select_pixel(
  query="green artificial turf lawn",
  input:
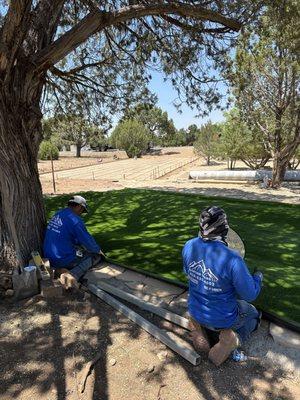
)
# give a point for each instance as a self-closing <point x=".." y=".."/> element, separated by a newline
<point x="147" y="229"/>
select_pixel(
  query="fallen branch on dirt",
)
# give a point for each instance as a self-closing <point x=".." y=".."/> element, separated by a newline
<point x="159" y="390"/>
<point x="87" y="370"/>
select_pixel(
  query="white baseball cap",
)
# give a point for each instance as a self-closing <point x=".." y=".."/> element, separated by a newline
<point x="79" y="200"/>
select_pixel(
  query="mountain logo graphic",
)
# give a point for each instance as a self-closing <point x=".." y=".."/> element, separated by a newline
<point x="200" y="267"/>
<point x="57" y="220"/>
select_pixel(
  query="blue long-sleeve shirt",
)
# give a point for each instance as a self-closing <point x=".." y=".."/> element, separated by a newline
<point x="218" y="276"/>
<point x="65" y="231"/>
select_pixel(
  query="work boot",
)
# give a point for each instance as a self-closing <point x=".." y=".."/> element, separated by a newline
<point x="228" y="341"/>
<point x="58" y="271"/>
<point x="199" y="337"/>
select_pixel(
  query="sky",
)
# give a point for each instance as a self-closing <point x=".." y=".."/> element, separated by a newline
<point x="166" y="95"/>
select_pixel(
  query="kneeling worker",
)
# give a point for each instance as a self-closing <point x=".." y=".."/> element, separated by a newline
<point x="220" y="289"/>
<point x="68" y="245"/>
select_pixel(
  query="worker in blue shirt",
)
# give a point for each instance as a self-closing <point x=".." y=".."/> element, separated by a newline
<point x="220" y="288"/>
<point x="68" y="245"/>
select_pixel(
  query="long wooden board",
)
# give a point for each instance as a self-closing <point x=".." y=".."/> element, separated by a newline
<point x="168" y="315"/>
<point x="188" y="354"/>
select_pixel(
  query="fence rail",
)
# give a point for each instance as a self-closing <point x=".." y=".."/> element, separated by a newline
<point x="157" y="172"/>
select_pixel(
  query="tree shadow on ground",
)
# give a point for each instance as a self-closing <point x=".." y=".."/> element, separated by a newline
<point x="41" y="349"/>
<point x="56" y="339"/>
<point x="147" y="229"/>
<point x="169" y="153"/>
<point x="240" y="381"/>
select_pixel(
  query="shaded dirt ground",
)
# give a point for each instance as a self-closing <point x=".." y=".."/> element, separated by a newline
<point x="45" y="345"/>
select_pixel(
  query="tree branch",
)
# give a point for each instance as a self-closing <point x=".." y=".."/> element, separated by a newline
<point x="47" y="14"/>
<point x="192" y="28"/>
<point x="13" y="30"/>
<point x="78" y="79"/>
<point x="58" y="72"/>
<point x="110" y="39"/>
<point x="96" y="21"/>
<point x="18" y="9"/>
<point x="182" y="25"/>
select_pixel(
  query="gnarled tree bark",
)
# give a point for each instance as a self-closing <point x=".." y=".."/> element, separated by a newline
<point x="22" y="216"/>
<point x="78" y="150"/>
<point x="281" y="161"/>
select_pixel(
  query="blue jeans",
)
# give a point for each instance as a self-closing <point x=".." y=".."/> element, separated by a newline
<point x="247" y="320"/>
<point x="81" y="265"/>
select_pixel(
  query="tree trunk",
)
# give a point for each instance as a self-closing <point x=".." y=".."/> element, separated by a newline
<point x="78" y="150"/>
<point x="22" y="216"/>
<point x="281" y="162"/>
<point x="279" y="167"/>
<point x="208" y="160"/>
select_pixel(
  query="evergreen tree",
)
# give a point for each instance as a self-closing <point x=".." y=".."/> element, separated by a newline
<point x="207" y="140"/>
<point x="132" y="136"/>
<point x="157" y="121"/>
<point x="266" y="78"/>
<point x="239" y="142"/>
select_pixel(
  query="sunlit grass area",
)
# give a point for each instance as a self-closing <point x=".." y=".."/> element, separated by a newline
<point x="147" y="229"/>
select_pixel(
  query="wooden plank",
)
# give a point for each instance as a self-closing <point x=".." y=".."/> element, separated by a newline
<point x="168" y="315"/>
<point x="188" y="354"/>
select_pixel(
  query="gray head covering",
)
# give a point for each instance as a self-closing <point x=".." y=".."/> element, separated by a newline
<point x="213" y="224"/>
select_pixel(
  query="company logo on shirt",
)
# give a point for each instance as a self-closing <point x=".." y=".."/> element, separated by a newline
<point x="55" y="224"/>
<point x="198" y="272"/>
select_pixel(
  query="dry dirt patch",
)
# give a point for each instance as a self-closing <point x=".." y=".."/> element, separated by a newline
<point x="45" y="346"/>
<point x="64" y="163"/>
<point x="79" y="185"/>
<point x="140" y="173"/>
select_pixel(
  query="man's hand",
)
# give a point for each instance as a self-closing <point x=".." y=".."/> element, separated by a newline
<point x="68" y="281"/>
<point x="259" y="274"/>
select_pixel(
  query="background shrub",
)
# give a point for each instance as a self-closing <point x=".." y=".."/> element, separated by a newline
<point x="46" y="149"/>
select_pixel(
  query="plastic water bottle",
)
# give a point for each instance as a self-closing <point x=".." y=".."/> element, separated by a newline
<point x="239" y="356"/>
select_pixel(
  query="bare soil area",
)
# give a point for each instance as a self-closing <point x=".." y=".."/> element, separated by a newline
<point x="64" y="163"/>
<point x="67" y="162"/>
<point x="168" y="171"/>
<point x="45" y="345"/>
<point x="79" y="185"/>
